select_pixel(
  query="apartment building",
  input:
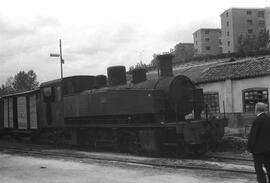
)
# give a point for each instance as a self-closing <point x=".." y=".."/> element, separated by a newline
<point x="267" y="20"/>
<point x="207" y="42"/>
<point x="237" y="21"/>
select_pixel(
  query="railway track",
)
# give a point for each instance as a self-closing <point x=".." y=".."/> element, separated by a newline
<point x="208" y="163"/>
<point x="220" y="157"/>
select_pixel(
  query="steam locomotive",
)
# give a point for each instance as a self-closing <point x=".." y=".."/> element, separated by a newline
<point x="96" y="112"/>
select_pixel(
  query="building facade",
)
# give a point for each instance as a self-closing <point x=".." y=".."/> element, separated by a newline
<point x="207" y="42"/>
<point x="267" y="21"/>
<point x="240" y="21"/>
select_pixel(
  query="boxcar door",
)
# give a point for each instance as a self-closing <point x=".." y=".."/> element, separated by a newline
<point x="33" y="111"/>
<point x="22" y="112"/>
<point x="6" y="113"/>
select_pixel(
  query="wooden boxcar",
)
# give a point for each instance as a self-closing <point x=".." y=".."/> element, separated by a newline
<point x="20" y="110"/>
<point x="1" y="115"/>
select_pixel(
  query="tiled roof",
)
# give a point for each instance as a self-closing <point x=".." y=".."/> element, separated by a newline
<point x="193" y="72"/>
<point x="222" y="70"/>
<point x="248" y="68"/>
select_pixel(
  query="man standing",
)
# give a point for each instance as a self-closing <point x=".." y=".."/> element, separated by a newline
<point x="259" y="142"/>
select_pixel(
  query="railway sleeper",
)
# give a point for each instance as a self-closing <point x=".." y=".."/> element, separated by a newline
<point x="104" y="143"/>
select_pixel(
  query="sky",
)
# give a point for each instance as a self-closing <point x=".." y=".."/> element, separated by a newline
<point x="99" y="34"/>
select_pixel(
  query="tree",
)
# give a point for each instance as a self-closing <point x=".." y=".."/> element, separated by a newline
<point x="138" y="65"/>
<point x="247" y="43"/>
<point x="183" y="51"/>
<point x="24" y="81"/>
<point x="154" y="61"/>
<point x="263" y="39"/>
<point x="7" y="88"/>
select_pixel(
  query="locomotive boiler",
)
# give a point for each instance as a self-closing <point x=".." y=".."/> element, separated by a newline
<point x="167" y="99"/>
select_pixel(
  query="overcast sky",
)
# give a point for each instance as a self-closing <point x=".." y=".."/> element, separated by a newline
<point x="98" y="34"/>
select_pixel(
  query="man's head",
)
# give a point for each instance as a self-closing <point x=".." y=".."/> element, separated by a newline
<point x="260" y="107"/>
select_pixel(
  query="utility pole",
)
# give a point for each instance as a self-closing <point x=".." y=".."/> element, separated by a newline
<point x="60" y="56"/>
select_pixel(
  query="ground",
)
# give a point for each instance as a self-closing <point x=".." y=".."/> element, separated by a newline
<point x="25" y="169"/>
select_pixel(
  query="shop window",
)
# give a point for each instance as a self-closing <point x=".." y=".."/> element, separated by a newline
<point x="211" y="99"/>
<point x="252" y="96"/>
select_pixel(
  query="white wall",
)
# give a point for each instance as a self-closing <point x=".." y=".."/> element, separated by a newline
<point x="239" y="85"/>
<point x="215" y="87"/>
<point x="230" y="91"/>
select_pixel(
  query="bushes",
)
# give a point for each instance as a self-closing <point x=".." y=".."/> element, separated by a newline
<point x="232" y="144"/>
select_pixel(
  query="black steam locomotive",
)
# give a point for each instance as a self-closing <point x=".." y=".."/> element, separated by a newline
<point x="93" y="111"/>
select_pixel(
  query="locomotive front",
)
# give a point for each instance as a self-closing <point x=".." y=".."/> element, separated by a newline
<point x="182" y="96"/>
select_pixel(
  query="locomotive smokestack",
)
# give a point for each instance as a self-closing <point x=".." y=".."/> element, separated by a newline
<point x="165" y="65"/>
<point x="138" y="75"/>
<point x="116" y="75"/>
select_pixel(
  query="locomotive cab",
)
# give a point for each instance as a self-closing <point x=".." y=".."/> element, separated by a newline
<point x="52" y="94"/>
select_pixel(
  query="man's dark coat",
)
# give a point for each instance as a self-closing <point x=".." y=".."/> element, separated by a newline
<point x="259" y="136"/>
